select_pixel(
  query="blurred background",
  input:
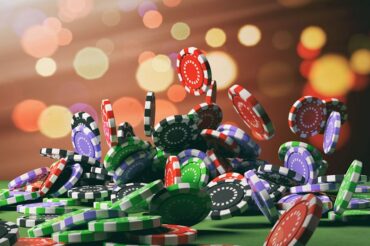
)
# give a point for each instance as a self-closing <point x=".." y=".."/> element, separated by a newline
<point x="61" y="57"/>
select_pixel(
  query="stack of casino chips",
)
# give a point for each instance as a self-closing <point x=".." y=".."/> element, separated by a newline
<point x="194" y="169"/>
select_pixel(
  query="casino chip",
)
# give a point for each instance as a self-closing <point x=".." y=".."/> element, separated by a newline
<point x="125" y="130"/>
<point x="211" y="94"/>
<point x="109" y="123"/>
<point x="339" y="178"/>
<point x="221" y="143"/>
<point x="301" y="161"/>
<point x="132" y="223"/>
<point x="79" y="236"/>
<point x="288" y="201"/>
<point x="189" y="153"/>
<point x="333" y="104"/>
<point x="280" y="175"/>
<point x="85" y="142"/>
<point x="172" y="171"/>
<point x="182" y="204"/>
<point x="358" y="203"/>
<point x="165" y="235"/>
<point x="28" y="241"/>
<point x="123" y="190"/>
<point x="28" y="221"/>
<point x="18" y="197"/>
<point x="55" y="153"/>
<point x="149" y="113"/>
<point x="9" y="233"/>
<point x="193" y="70"/>
<point x="29" y="177"/>
<point x="314" y="188"/>
<point x="210" y="115"/>
<point x="283" y="149"/>
<point x="56" y="170"/>
<point x="251" y="112"/>
<point x="89" y="192"/>
<point x="194" y="171"/>
<point x="83" y="118"/>
<point x="221" y="164"/>
<point x="356" y="215"/>
<point x="331" y="134"/>
<point x="227" y="176"/>
<point x="229" y="198"/>
<point x="66" y="200"/>
<point x="307" y="116"/>
<point x="347" y="187"/>
<point x="175" y="132"/>
<point x="77" y="171"/>
<point x="296" y="225"/>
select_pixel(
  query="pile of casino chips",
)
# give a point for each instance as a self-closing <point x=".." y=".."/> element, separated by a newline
<point x="195" y="168"/>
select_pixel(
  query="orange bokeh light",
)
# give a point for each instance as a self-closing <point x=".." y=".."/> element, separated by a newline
<point x="128" y="109"/>
<point x="53" y="24"/>
<point x="152" y="19"/>
<point x="176" y="93"/>
<point x="171" y="3"/>
<point x="345" y="132"/>
<point x="26" y="113"/>
<point x="164" y="108"/>
<point x="39" y="41"/>
<point x="70" y="10"/>
<point x="305" y="68"/>
<point x="360" y="82"/>
<point x="145" y="56"/>
<point x="306" y="53"/>
<point x="64" y="37"/>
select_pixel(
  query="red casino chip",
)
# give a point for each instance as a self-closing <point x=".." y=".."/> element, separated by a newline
<point x="35" y="186"/>
<point x="230" y="175"/>
<point x="296" y="225"/>
<point x="28" y="241"/>
<point x="109" y="123"/>
<point x="307" y="116"/>
<point x="55" y="171"/>
<point x="211" y="94"/>
<point x="221" y="164"/>
<point x="221" y="143"/>
<point x="210" y="115"/>
<point x="172" y="171"/>
<point x="251" y="112"/>
<point x="193" y="71"/>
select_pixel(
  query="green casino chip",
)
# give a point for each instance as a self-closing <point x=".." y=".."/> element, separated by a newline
<point x="132" y="223"/>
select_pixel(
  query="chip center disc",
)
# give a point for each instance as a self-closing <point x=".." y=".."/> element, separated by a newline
<point x="193" y="76"/>
<point x="246" y="113"/>
<point x="309" y="117"/>
<point x="176" y="133"/>
<point x="297" y="163"/>
<point x="83" y="144"/>
<point x="225" y="195"/>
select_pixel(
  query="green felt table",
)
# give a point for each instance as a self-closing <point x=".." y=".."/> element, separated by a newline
<point x="252" y="229"/>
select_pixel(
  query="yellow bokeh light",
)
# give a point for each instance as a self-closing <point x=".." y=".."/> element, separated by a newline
<point x="152" y="80"/>
<point x="105" y="45"/>
<point x="161" y="63"/>
<point x="331" y="75"/>
<point x="224" y="68"/>
<point x="111" y="17"/>
<point x="249" y="35"/>
<point x="360" y="61"/>
<point x="313" y="37"/>
<point x="54" y="121"/>
<point x="215" y="37"/>
<point x="91" y="63"/>
<point x="180" y="31"/>
<point x="45" y="66"/>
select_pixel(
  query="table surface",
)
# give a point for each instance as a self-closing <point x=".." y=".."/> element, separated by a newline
<point x="253" y="229"/>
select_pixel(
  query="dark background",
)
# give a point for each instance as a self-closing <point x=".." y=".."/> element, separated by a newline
<point x="345" y="23"/>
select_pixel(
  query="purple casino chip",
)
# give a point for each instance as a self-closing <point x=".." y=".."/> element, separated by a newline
<point x="241" y="165"/>
<point x="362" y="189"/>
<point x="77" y="171"/>
<point x="249" y="148"/>
<point x="190" y="153"/>
<point x="301" y="161"/>
<point x="21" y="208"/>
<point x="261" y="196"/>
<point x="324" y="187"/>
<point x="331" y="134"/>
<point x="85" y="142"/>
<point x="29" y="177"/>
<point x="358" y="203"/>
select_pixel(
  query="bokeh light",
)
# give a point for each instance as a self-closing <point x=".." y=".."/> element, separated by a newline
<point x="145" y="6"/>
<point x="91" y="63"/>
<point x="151" y="80"/>
<point x="282" y="40"/>
<point x="224" y="68"/>
<point x="360" y="82"/>
<point x="65" y="37"/>
<point x="360" y="61"/>
<point x="54" y="121"/>
<point x="176" y="93"/>
<point x="309" y="91"/>
<point x="39" y="41"/>
<point x="249" y="35"/>
<point x="84" y="107"/>
<point x="70" y="10"/>
<point x="111" y="17"/>
<point x="26" y="18"/>
<point x="46" y="66"/>
<point x="305" y="68"/>
<point x="106" y="45"/>
<point x="128" y="109"/>
<point x="145" y="55"/>
<point x="171" y="3"/>
<point x="53" y="24"/>
<point x="128" y="5"/>
<point x="180" y="31"/>
<point x="161" y="63"/>
<point x="313" y="37"/>
<point x="152" y="19"/>
<point x="26" y="113"/>
<point x="215" y="37"/>
<point x="306" y="53"/>
<point x="331" y="75"/>
<point x="276" y="79"/>
<point x="164" y="108"/>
